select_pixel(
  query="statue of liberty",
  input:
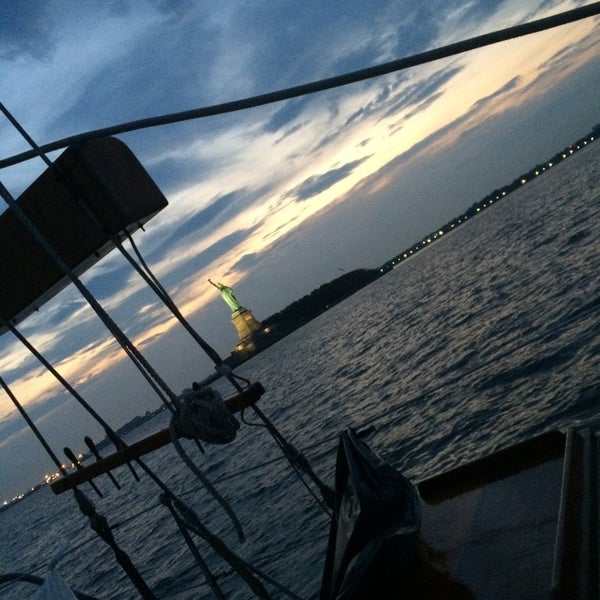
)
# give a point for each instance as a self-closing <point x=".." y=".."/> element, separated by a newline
<point x="227" y="295"/>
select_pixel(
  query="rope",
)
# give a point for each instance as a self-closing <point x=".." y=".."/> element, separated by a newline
<point x="110" y="433"/>
<point x="100" y="525"/>
<point x="298" y="462"/>
<point x="153" y="282"/>
<point x="193" y="523"/>
<point x="33" y="427"/>
<point x="204" y="415"/>
<point x="209" y="577"/>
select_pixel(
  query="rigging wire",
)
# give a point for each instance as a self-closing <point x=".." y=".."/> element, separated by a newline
<point x="428" y="56"/>
<point x="143" y="365"/>
<point x="299" y="464"/>
<point x="33" y="427"/>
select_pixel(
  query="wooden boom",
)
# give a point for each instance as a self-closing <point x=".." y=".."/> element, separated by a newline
<point x="161" y="438"/>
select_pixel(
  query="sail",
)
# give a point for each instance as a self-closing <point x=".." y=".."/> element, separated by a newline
<point x="95" y="192"/>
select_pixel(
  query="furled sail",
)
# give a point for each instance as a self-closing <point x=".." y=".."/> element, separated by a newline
<point x="95" y="193"/>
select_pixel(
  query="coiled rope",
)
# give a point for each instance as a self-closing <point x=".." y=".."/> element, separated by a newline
<point x="203" y="415"/>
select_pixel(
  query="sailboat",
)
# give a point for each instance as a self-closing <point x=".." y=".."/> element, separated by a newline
<point x="385" y="531"/>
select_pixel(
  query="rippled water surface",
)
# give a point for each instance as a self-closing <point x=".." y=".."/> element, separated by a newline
<point x="485" y="338"/>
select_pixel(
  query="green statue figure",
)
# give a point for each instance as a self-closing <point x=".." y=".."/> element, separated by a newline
<point x="227" y="295"/>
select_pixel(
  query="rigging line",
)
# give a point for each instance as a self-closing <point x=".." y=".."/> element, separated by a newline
<point x="111" y="434"/>
<point x="81" y="200"/>
<point x="35" y="352"/>
<point x="428" y="56"/>
<point x="210" y="488"/>
<point x="109" y="323"/>
<point x="209" y="577"/>
<point x="33" y="427"/>
<point x="296" y="459"/>
<point x="152" y="281"/>
<point x="194" y="524"/>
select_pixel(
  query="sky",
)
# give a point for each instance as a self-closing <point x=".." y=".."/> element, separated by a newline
<point x="273" y="201"/>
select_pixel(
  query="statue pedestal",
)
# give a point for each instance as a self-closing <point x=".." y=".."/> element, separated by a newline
<point x="245" y="323"/>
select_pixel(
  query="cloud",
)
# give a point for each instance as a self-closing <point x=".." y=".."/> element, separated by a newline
<point x="203" y="259"/>
<point x="507" y="87"/>
<point x="290" y="111"/>
<point x="24" y="30"/>
<point x="420" y="92"/>
<point x="194" y="224"/>
<point x="248" y="261"/>
<point x="315" y="185"/>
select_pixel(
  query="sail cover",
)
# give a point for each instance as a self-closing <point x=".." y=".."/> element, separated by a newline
<point x="95" y="192"/>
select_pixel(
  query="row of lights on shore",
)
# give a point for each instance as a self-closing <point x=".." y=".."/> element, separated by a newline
<point x="48" y="478"/>
<point x="430" y="239"/>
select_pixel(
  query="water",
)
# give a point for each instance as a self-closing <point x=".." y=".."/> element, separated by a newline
<point x="485" y="338"/>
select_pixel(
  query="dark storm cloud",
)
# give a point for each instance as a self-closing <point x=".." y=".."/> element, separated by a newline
<point x="319" y="183"/>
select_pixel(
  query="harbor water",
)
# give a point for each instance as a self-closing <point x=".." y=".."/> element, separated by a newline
<point x="485" y="338"/>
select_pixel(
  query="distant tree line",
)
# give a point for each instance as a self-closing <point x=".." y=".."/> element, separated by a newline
<point x="319" y="300"/>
